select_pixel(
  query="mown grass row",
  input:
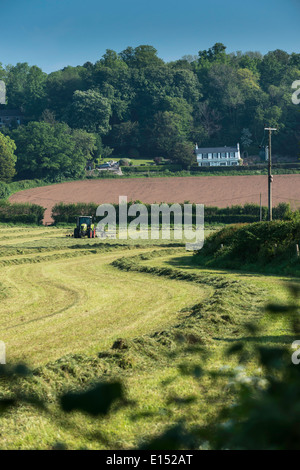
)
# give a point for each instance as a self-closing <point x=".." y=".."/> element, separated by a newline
<point x="226" y="289"/>
<point x="21" y="254"/>
<point x="158" y="368"/>
<point x="73" y="252"/>
<point x="198" y="329"/>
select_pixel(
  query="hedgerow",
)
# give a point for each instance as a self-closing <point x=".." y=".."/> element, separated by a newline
<point x="21" y="213"/>
<point x="66" y="213"/>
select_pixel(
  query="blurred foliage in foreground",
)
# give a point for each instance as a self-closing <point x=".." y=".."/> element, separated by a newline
<point x="265" y="413"/>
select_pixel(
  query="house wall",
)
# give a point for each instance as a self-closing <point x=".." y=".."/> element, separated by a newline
<point x="226" y="158"/>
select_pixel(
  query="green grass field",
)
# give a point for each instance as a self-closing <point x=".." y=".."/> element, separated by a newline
<point x="64" y="302"/>
<point x="135" y="161"/>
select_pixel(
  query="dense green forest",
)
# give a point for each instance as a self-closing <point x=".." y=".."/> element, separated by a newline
<point x="134" y="104"/>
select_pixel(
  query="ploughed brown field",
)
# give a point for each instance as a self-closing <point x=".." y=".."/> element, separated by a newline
<point x="221" y="191"/>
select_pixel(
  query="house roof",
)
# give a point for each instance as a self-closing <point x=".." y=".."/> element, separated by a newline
<point x="216" y="149"/>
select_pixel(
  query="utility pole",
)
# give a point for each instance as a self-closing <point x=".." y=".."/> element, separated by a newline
<point x="270" y="176"/>
<point x="260" y="209"/>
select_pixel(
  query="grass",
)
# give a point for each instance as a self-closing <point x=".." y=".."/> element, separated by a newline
<point x="63" y="313"/>
<point x="52" y="301"/>
<point x="171" y="174"/>
<point x="265" y="247"/>
<point x="137" y="161"/>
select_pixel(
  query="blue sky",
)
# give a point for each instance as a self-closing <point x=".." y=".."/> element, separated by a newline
<point x="55" y="33"/>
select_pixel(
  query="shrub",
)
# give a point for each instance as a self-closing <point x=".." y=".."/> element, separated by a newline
<point x="4" y="190"/>
<point x="21" y="213"/>
<point x="66" y="213"/>
<point x="262" y="245"/>
<point x="124" y="162"/>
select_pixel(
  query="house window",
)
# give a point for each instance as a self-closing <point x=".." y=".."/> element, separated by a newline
<point x="200" y="155"/>
<point x="223" y="155"/>
<point x="209" y="155"/>
<point x="231" y="154"/>
<point x="215" y="155"/>
<point x="205" y="155"/>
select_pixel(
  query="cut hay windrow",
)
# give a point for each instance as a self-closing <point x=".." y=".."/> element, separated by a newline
<point x="143" y="314"/>
<point x="82" y="251"/>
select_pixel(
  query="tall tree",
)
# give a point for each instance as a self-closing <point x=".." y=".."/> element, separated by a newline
<point x="35" y="92"/>
<point x="214" y="54"/>
<point x="7" y="158"/>
<point x="272" y="68"/>
<point x="90" y="111"/>
<point x="61" y="86"/>
<point x="183" y="153"/>
<point x="112" y="60"/>
<point x="16" y="83"/>
<point x="141" y="56"/>
<point x="166" y="130"/>
<point x="51" y="150"/>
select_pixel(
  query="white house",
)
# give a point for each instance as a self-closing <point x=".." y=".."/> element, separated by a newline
<point x="218" y="156"/>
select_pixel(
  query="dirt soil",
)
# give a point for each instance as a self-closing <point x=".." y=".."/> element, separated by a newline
<point x="221" y="191"/>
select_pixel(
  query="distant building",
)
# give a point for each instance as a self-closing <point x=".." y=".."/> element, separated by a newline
<point x="218" y="156"/>
<point x="8" y="116"/>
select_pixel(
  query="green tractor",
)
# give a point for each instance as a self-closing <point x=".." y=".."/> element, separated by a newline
<point x="85" y="227"/>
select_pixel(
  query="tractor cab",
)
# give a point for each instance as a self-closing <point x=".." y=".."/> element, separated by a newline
<point x="84" y="227"/>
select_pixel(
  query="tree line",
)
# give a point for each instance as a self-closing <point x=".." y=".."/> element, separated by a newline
<point x="133" y="103"/>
